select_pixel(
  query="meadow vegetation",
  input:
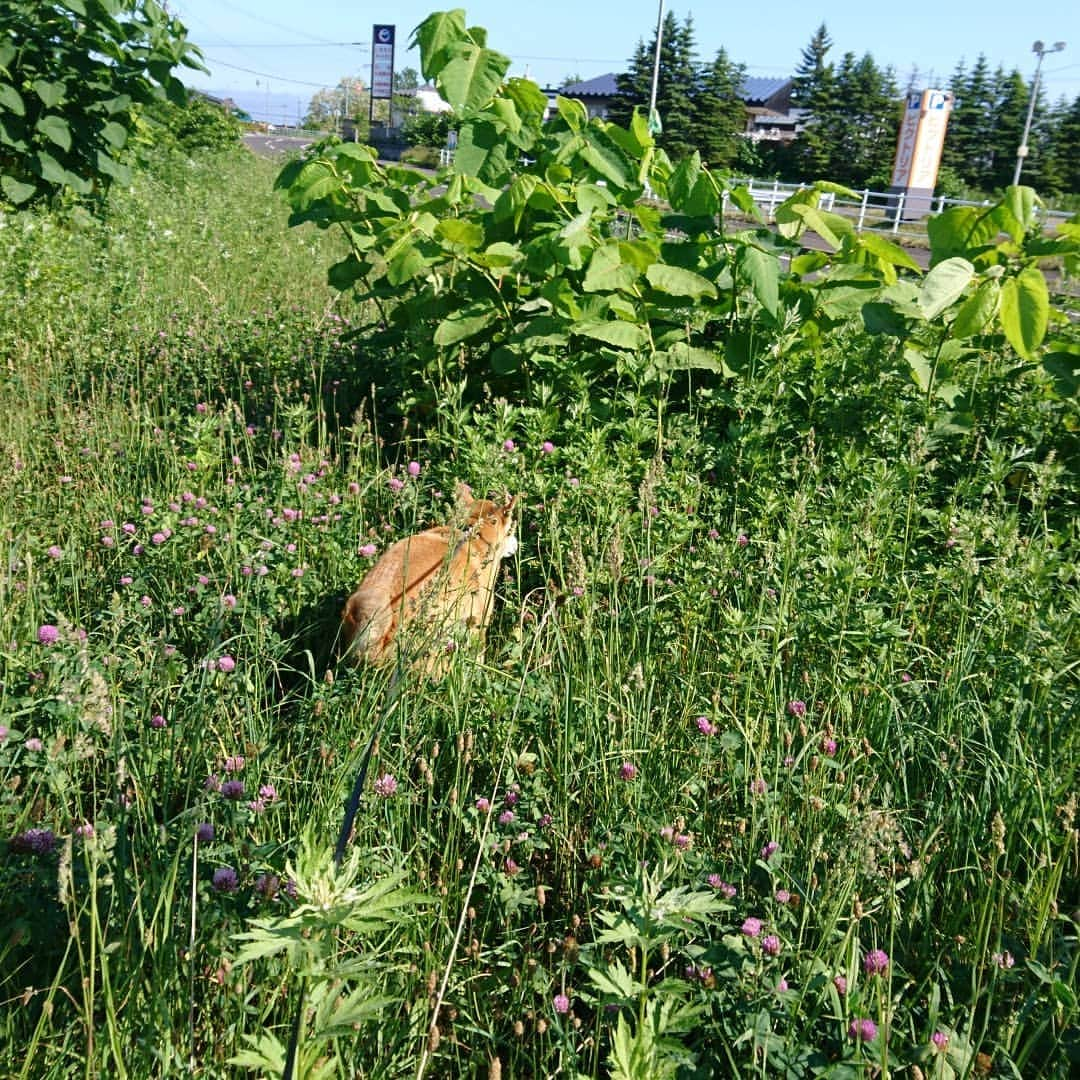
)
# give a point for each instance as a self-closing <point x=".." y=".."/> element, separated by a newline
<point x="770" y="764"/>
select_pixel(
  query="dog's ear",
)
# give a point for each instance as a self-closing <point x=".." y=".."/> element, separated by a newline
<point x="462" y="493"/>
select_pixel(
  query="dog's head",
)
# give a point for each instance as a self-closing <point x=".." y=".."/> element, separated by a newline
<point x="493" y="522"/>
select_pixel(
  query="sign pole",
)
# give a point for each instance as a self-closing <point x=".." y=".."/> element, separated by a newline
<point x="382" y="67"/>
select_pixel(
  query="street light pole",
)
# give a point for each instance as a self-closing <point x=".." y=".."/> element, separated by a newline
<point x="1040" y="50"/>
<point x="656" y="63"/>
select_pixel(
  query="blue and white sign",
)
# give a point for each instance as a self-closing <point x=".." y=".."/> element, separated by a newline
<point x="382" y="62"/>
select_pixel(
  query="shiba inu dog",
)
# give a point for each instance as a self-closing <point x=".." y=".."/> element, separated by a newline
<point x="439" y="583"/>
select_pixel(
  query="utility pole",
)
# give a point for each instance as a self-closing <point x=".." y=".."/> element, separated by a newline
<point x="654" y="121"/>
<point x="1040" y="50"/>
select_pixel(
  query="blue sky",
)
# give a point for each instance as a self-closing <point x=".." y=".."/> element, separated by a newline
<point x="289" y="49"/>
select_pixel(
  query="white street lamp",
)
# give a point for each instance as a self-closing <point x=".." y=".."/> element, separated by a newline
<point x="1040" y="50"/>
<point x="654" y="125"/>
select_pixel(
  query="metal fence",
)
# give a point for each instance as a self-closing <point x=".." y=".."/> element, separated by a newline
<point x="880" y="210"/>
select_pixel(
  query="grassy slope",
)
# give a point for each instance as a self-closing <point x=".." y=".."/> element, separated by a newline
<point x="876" y="621"/>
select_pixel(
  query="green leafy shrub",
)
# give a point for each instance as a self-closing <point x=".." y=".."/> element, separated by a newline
<point x="73" y="76"/>
<point x="197" y="124"/>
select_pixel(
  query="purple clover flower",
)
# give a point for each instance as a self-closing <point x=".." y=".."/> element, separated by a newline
<point x="232" y="789"/>
<point x="225" y="879"/>
<point x="876" y="962"/>
<point x="862" y="1029"/>
<point x="34" y="842"/>
<point x="386" y="786"/>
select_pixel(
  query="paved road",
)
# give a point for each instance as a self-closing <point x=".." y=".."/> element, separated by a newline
<point x="273" y="146"/>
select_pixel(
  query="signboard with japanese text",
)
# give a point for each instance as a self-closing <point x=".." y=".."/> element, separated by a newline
<point x="382" y="62"/>
<point x="922" y="136"/>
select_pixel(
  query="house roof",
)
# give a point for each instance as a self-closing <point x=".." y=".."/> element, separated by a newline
<point x="761" y="88"/>
<point x="754" y="88"/>
<point x="601" y="86"/>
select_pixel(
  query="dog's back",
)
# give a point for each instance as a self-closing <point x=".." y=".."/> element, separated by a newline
<point x="443" y="577"/>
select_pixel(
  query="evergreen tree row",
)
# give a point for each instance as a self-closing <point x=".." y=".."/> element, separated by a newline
<point x="699" y="104"/>
<point x="852" y="113"/>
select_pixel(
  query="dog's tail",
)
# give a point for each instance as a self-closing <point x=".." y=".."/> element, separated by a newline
<point x="367" y="625"/>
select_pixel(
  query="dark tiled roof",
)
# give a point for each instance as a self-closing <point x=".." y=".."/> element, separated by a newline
<point x="601" y="86"/>
<point x="754" y="88"/>
<point x="758" y="88"/>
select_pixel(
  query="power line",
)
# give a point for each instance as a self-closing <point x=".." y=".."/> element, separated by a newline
<point x="270" y="22"/>
<point x="362" y="45"/>
<point x="265" y="74"/>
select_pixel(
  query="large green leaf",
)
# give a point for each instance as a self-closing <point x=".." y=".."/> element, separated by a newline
<point x="573" y="112"/>
<point x="1021" y="202"/>
<point x="888" y="251"/>
<point x="464" y="324"/>
<point x="762" y="271"/>
<point x="405" y="264"/>
<point x="607" y="272"/>
<point x="56" y="130"/>
<point x="684" y="176"/>
<point x="11" y="100"/>
<point x="622" y="335"/>
<point x="944" y="285"/>
<point x="675" y="281"/>
<point x="1062" y="364"/>
<point x="50" y="93"/>
<point x="459" y="234"/>
<point x="471" y="76"/>
<point x="435" y="35"/>
<point x="603" y="155"/>
<point x="108" y="166"/>
<point x="16" y="190"/>
<point x="830" y="227"/>
<point x="116" y="135"/>
<point x="49" y="169"/>
<point x="977" y="312"/>
<point x="682" y="356"/>
<point x="1025" y="310"/>
<point x="481" y="152"/>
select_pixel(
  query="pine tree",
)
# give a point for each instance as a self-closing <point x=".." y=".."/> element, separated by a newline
<point x="865" y="129"/>
<point x="969" y="135"/>
<point x="676" y="86"/>
<point x="719" y="112"/>
<point x="632" y="86"/>
<point x="1061" y="170"/>
<point x="1012" y="96"/>
<point x="813" y="89"/>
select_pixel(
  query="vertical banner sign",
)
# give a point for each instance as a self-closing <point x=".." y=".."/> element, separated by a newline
<point x="382" y="65"/>
<point x="918" y="149"/>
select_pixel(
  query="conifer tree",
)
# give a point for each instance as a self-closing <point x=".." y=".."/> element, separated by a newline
<point x="719" y="112"/>
<point x="814" y="89"/>
<point x="676" y="85"/>
<point x="1061" y="169"/>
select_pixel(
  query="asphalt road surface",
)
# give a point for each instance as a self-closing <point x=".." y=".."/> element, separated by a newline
<point x="271" y="145"/>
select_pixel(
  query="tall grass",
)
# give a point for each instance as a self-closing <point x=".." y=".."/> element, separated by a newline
<point x="799" y="654"/>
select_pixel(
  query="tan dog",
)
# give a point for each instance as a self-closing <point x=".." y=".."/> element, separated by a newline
<point x="441" y="580"/>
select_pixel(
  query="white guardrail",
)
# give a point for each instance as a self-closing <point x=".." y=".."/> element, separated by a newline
<point x="869" y="209"/>
<point x="873" y="209"/>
